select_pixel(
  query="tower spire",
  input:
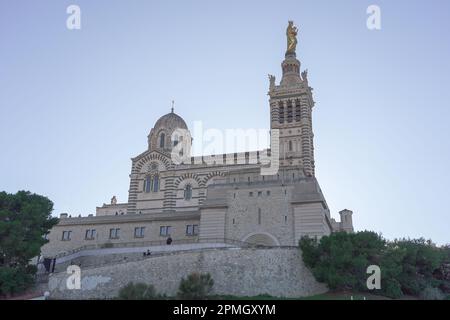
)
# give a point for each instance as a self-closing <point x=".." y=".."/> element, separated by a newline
<point x="291" y="105"/>
<point x="290" y="65"/>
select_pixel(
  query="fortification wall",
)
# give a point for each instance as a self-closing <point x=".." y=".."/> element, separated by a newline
<point x="242" y="272"/>
<point x="99" y="257"/>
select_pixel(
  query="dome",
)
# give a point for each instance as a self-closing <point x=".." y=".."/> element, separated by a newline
<point x="160" y="135"/>
<point x="170" y="121"/>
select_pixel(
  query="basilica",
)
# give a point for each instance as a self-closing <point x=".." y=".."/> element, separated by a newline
<point x="229" y="201"/>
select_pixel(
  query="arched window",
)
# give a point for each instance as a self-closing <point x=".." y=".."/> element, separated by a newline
<point x="281" y="111"/>
<point x="188" y="192"/>
<point x="155" y="184"/>
<point x="290" y="145"/>
<point x="147" y="184"/>
<point x="151" y="184"/>
<point x="162" y="139"/>
<point x="175" y="140"/>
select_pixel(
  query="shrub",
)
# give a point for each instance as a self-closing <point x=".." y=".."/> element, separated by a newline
<point x="391" y="289"/>
<point x="195" y="287"/>
<point x="408" y="266"/>
<point x="341" y="259"/>
<point x="420" y="260"/>
<point x="431" y="293"/>
<point x="138" y="291"/>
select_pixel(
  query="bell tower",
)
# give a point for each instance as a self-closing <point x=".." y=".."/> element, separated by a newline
<point x="291" y="106"/>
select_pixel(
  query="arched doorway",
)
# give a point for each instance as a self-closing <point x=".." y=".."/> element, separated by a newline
<point x="261" y="239"/>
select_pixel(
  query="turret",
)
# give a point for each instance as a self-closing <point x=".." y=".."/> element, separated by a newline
<point x="346" y="220"/>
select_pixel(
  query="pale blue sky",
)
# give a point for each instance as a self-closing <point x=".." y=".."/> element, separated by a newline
<point x="75" y="106"/>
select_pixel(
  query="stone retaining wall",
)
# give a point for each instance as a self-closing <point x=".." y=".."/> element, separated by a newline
<point x="242" y="272"/>
<point x="99" y="257"/>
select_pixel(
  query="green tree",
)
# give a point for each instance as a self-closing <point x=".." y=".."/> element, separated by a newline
<point x="24" y="220"/>
<point x="341" y="259"/>
<point x="408" y="266"/>
<point x="391" y="266"/>
<point x="420" y="259"/>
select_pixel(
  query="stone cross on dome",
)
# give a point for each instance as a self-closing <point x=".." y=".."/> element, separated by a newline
<point x="173" y="102"/>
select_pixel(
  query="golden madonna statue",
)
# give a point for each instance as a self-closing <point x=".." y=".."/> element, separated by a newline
<point x="291" y="34"/>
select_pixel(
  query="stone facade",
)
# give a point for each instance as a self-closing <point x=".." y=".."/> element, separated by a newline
<point x="127" y="226"/>
<point x="279" y="272"/>
<point x="226" y="199"/>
